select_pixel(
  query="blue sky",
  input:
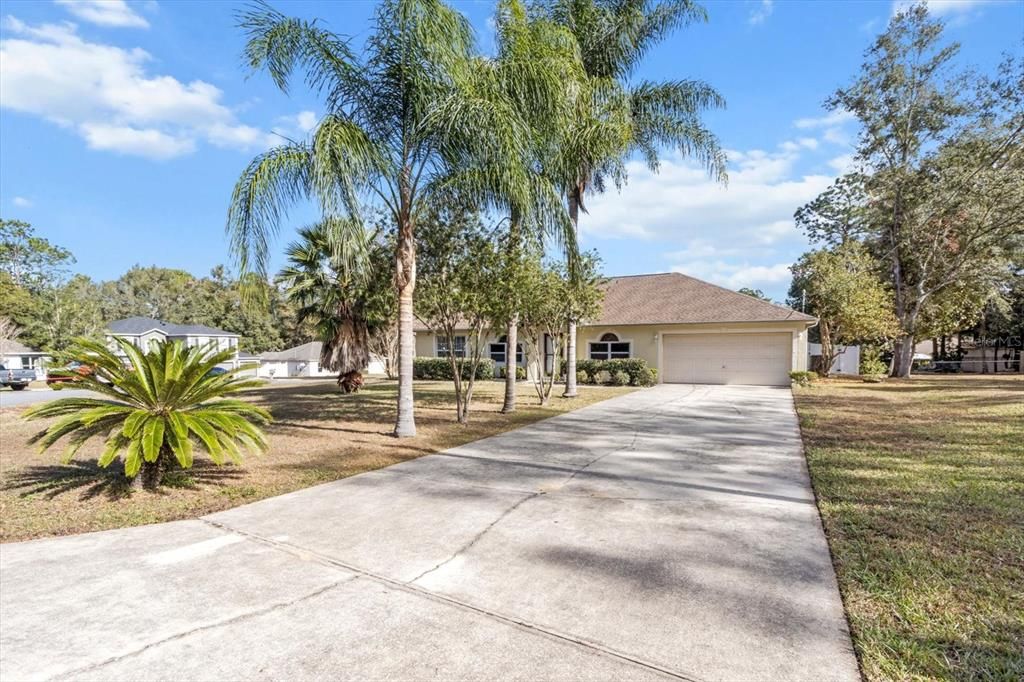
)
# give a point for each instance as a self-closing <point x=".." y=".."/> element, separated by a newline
<point x="124" y="125"/>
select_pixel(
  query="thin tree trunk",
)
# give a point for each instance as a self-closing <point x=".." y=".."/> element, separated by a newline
<point x="456" y="366"/>
<point x="828" y="352"/>
<point x="984" y="343"/>
<point x="405" y="281"/>
<point x="570" y="354"/>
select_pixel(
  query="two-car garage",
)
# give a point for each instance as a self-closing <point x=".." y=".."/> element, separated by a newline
<point x="730" y="358"/>
<point x="695" y="332"/>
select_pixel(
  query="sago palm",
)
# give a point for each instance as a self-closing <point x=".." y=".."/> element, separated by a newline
<point x="398" y="119"/>
<point x="624" y="117"/>
<point x="159" y="406"/>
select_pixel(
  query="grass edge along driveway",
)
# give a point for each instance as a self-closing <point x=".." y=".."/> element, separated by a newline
<point x="319" y="435"/>
<point x="920" y="485"/>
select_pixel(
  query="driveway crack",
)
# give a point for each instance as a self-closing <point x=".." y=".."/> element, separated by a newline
<point x="209" y="626"/>
<point x="476" y="538"/>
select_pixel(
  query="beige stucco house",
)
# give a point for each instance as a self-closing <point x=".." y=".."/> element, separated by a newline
<point x="691" y="331"/>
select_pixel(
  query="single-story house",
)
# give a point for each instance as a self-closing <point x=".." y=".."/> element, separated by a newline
<point x="142" y="330"/>
<point x="303" y="361"/>
<point x="691" y="331"/>
<point x="16" y="355"/>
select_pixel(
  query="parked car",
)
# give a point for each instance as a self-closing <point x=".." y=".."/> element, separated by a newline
<point x="17" y="379"/>
<point x="56" y="378"/>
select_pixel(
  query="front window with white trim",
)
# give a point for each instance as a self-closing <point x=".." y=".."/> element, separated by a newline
<point x="460" y="346"/>
<point x="498" y="351"/>
<point x="609" y="347"/>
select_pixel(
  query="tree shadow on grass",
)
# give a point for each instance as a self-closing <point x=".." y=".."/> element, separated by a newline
<point x="91" y="480"/>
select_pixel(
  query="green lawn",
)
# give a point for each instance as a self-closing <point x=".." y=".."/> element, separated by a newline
<point x="921" y="488"/>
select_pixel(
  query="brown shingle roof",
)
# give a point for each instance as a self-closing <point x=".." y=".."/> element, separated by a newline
<point x="674" y="298"/>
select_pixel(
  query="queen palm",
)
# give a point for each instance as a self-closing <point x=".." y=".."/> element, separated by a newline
<point x="338" y="289"/>
<point x="537" y="72"/>
<point x="154" y="409"/>
<point x="397" y="119"/>
<point x="624" y="117"/>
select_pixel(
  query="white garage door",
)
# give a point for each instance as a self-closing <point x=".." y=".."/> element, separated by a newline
<point x="758" y="359"/>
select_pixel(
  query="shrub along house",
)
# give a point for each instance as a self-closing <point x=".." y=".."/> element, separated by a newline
<point x="689" y="330"/>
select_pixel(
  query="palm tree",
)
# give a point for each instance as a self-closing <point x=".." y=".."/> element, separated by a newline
<point x="159" y="406"/>
<point x="397" y="119"/>
<point x="337" y="288"/>
<point x="623" y="116"/>
<point x="537" y="72"/>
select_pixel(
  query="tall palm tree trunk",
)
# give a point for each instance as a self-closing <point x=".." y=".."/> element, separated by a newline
<point x="511" y="367"/>
<point x="570" y="351"/>
<point x="512" y="333"/>
<point x="405" y="281"/>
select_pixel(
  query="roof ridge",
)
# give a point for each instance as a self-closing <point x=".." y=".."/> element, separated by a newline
<point x="644" y="274"/>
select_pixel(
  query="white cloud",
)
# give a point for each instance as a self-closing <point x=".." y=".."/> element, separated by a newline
<point x="22" y="202"/>
<point x="940" y="8"/>
<point x="297" y="126"/>
<point x="742" y="234"/>
<point x="836" y="136"/>
<point x="114" y="13"/>
<point x="107" y="96"/>
<point x="681" y="203"/>
<point x="843" y="163"/>
<point x="147" y="142"/>
<point x="829" y="120"/>
<point x="797" y="145"/>
<point x="759" y="14"/>
<point x="737" y="275"/>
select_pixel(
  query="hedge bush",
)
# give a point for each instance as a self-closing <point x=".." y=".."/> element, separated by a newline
<point x="604" y="371"/>
<point x="499" y="373"/>
<point x="619" y="378"/>
<point x="440" y="369"/>
<point x="803" y="378"/>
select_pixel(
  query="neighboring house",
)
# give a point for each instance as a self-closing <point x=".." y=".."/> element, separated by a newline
<point x="16" y="355"/>
<point x="847" y="362"/>
<point x="303" y="361"/>
<point x="142" y="330"/>
<point x="691" y="331"/>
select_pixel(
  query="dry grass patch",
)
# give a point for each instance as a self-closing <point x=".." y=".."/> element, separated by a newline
<point x="319" y="435"/>
<point x="921" y="488"/>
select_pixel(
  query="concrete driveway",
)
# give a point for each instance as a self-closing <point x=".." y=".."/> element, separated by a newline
<point x="667" y="534"/>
